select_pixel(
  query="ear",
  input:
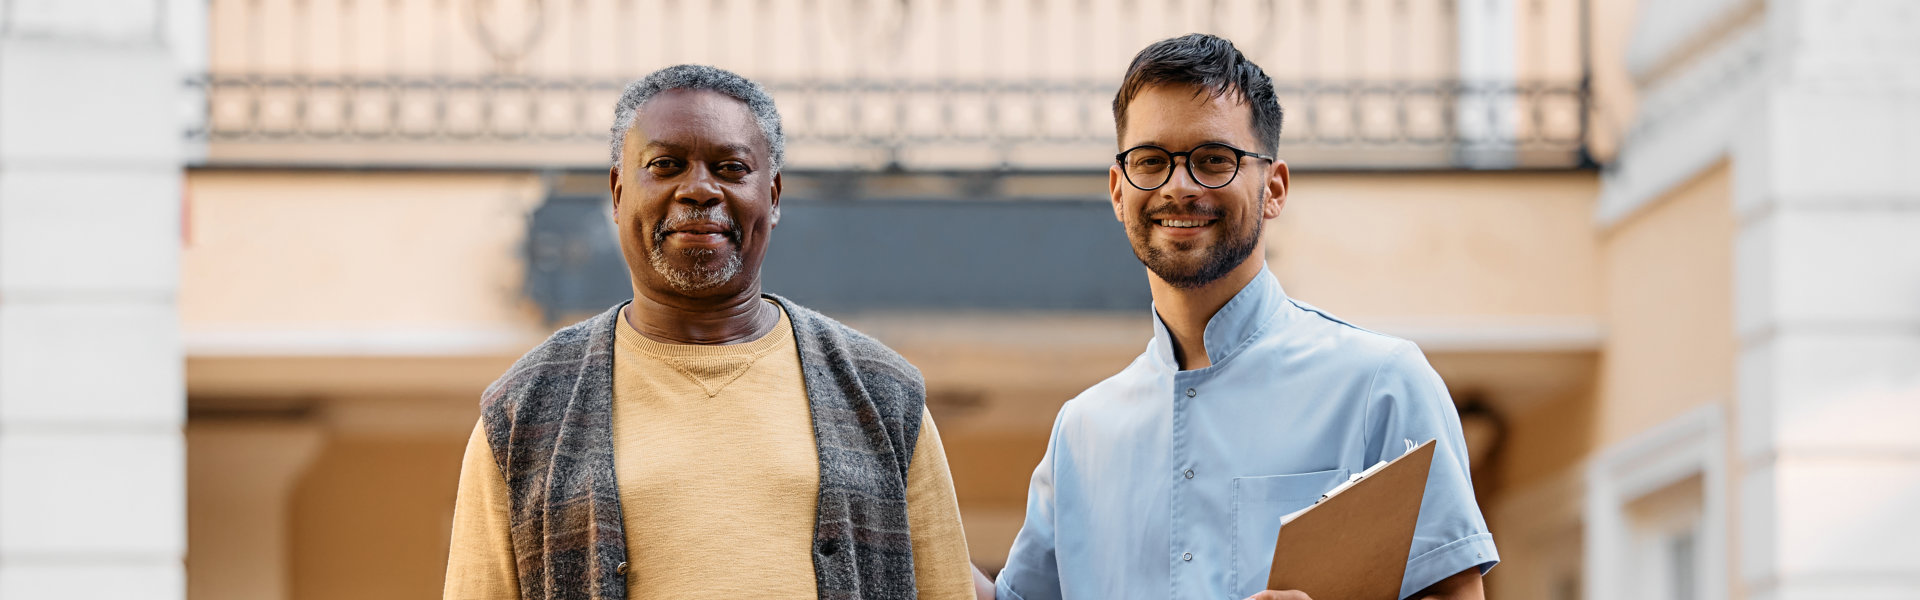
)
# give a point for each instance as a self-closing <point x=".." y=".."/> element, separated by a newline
<point x="1115" y="180"/>
<point x="1278" y="181"/>
<point x="776" y="200"/>
<point x="613" y="186"/>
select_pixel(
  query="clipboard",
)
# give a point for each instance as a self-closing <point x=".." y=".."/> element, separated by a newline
<point x="1353" y="543"/>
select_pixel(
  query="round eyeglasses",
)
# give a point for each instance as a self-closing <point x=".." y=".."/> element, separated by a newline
<point x="1213" y="166"/>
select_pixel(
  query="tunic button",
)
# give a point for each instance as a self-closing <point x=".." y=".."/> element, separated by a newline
<point x="1190" y="392"/>
<point x="1188" y="556"/>
<point x="622" y="569"/>
<point x="1189" y="473"/>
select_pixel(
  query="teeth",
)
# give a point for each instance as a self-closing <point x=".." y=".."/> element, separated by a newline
<point x="1183" y="223"/>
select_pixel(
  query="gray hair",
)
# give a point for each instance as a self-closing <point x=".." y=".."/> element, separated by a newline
<point x="700" y="77"/>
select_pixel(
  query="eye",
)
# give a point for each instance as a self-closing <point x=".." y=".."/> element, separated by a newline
<point x="666" y="165"/>
<point x="1217" y="164"/>
<point x="1215" y="160"/>
<point x="1149" y="161"/>
<point x="733" y="169"/>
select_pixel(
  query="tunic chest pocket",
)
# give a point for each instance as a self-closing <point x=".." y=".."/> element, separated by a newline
<point x="1258" y="504"/>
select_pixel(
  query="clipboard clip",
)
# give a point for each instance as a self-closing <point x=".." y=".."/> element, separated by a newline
<point x="1352" y="479"/>
<point x="1356" y="477"/>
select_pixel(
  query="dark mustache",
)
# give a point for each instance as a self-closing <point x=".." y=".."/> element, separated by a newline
<point x="1174" y="208"/>
<point x="713" y="214"/>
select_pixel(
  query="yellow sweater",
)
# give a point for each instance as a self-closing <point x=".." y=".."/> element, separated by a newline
<point x="719" y="481"/>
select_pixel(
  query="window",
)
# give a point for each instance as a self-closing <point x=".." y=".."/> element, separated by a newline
<point x="1656" y="513"/>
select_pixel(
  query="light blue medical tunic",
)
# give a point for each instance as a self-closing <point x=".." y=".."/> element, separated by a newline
<point x="1161" y="483"/>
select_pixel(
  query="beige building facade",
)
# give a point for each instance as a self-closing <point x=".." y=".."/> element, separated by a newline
<point x="1662" y="254"/>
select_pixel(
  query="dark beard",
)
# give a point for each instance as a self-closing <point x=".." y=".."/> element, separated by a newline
<point x="1221" y="258"/>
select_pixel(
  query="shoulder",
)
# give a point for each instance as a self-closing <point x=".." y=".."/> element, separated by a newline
<point x="557" y="358"/>
<point x="868" y="357"/>
<point x="1364" y="351"/>
<point x="1109" y="411"/>
<point x="846" y="365"/>
<point x="1398" y="380"/>
<point x="1138" y="380"/>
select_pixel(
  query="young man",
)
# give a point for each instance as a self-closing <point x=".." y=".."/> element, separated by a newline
<point x="1169" y="479"/>
<point x="704" y="440"/>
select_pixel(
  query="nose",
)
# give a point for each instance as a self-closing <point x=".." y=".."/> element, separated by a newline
<point x="1180" y="183"/>
<point x="700" y="188"/>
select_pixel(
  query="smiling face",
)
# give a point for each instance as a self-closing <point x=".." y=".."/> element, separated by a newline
<point x="695" y="198"/>
<point x="1187" y="234"/>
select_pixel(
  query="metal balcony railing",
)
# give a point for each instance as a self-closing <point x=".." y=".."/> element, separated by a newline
<point x="905" y="84"/>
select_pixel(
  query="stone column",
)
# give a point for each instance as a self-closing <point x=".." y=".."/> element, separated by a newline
<point x="92" y="484"/>
<point x="1827" y="191"/>
<point x="243" y="474"/>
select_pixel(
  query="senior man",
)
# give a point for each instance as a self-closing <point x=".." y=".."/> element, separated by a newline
<point x="705" y="439"/>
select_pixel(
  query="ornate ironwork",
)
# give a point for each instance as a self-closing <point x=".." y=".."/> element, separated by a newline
<point x="868" y="108"/>
<point x="1541" y="120"/>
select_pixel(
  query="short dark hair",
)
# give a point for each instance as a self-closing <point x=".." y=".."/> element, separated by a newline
<point x="1212" y="64"/>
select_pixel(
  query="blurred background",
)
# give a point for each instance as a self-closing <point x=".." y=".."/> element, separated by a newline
<point x="259" y="257"/>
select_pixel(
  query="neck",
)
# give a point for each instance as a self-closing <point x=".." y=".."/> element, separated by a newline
<point x="675" y="319"/>
<point x="1187" y="311"/>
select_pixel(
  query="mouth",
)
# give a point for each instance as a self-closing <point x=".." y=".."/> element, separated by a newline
<point x="1183" y="223"/>
<point x="700" y="227"/>
<point x="694" y="237"/>
<point x="699" y="233"/>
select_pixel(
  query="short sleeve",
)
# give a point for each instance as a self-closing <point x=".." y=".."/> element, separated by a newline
<point x="1409" y="404"/>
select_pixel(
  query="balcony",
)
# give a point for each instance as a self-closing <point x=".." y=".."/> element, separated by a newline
<point x="907" y="85"/>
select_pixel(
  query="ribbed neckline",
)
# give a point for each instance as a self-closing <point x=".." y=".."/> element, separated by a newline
<point x="627" y="336"/>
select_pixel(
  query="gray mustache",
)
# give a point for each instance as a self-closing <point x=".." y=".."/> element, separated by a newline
<point x="711" y="214"/>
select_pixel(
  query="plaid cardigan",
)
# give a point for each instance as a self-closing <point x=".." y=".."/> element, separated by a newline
<point x="549" y="420"/>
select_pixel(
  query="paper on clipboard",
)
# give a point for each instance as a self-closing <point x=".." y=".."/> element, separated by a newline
<point x="1353" y="543"/>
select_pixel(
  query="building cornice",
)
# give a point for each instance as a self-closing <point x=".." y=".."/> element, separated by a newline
<point x="1687" y="122"/>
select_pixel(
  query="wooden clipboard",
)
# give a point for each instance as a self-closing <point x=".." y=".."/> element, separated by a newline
<point x="1353" y="543"/>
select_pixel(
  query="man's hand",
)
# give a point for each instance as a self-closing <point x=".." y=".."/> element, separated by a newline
<point x="1280" y="595"/>
<point x="1463" y="585"/>
<point x="982" y="587"/>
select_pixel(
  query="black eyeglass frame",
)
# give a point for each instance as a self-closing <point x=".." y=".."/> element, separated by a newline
<point x="1238" y="155"/>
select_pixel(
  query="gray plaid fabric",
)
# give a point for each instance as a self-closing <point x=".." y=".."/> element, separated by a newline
<point x="549" y="420"/>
